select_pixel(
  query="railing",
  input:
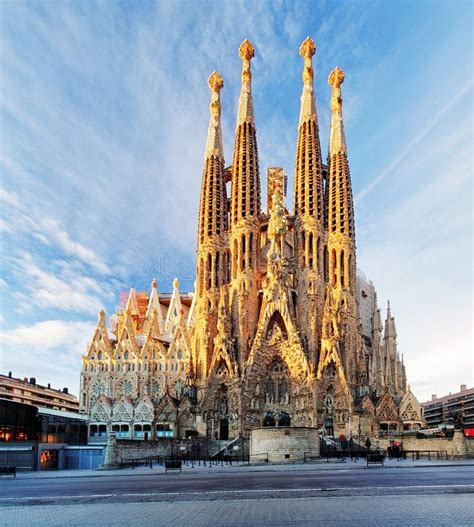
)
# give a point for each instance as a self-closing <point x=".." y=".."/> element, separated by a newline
<point x="135" y="462"/>
<point x="418" y="454"/>
<point x="344" y="453"/>
<point x="192" y="459"/>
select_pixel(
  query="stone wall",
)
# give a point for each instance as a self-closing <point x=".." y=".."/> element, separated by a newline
<point x="455" y="446"/>
<point x="469" y="442"/>
<point x="128" y="449"/>
<point x="283" y="444"/>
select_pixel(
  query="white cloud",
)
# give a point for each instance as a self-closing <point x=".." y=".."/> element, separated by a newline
<point x="28" y="220"/>
<point x="432" y="123"/>
<point x="49" y="351"/>
<point x="66" y="293"/>
<point x="9" y="197"/>
<point x="71" y="247"/>
<point x="4" y="227"/>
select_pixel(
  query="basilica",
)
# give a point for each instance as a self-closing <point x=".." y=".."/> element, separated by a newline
<point x="281" y="329"/>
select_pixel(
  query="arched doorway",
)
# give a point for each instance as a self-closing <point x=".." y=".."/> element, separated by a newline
<point x="224" y="429"/>
<point x="285" y="419"/>
<point x="269" y="420"/>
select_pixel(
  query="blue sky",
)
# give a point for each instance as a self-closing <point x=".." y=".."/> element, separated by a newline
<point x="104" y="112"/>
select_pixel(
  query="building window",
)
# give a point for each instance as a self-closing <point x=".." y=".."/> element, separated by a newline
<point x="164" y="430"/>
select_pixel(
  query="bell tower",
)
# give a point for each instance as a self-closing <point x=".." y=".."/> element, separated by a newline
<point x="341" y="240"/>
<point x="212" y="246"/>
<point x="244" y="235"/>
<point x="309" y="233"/>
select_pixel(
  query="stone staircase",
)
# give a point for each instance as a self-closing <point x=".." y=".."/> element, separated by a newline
<point x="218" y="448"/>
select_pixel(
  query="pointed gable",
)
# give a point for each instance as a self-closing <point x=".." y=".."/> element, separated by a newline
<point x="123" y="409"/>
<point x="127" y="339"/>
<point x="152" y="334"/>
<point x="174" y="310"/>
<point x="410" y="408"/>
<point x="180" y="347"/>
<point x="132" y="303"/>
<point x="367" y="405"/>
<point x="101" y="410"/>
<point x="386" y="408"/>
<point x="166" y="411"/>
<point x="154" y="309"/>
<point x="100" y="340"/>
<point x="144" y="410"/>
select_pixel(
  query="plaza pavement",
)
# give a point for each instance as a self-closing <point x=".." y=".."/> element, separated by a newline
<point x="367" y="511"/>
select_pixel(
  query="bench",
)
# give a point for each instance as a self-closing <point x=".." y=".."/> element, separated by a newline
<point x="375" y="459"/>
<point x="8" y="470"/>
<point x="173" y="465"/>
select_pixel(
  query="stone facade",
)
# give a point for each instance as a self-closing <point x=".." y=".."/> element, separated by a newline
<point x="272" y="335"/>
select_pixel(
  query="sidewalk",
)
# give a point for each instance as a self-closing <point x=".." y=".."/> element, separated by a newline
<point x="319" y="465"/>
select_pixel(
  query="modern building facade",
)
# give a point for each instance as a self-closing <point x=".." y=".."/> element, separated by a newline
<point x="279" y="329"/>
<point x="29" y="392"/>
<point x="453" y="409"/>
<point x="39" y="438"/>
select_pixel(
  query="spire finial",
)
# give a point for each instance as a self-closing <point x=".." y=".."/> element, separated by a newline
<point x="246" y="50"/>
<point x="337" y="140"/>
<point x="245" y="111"/>
<point x="307" y="48"/>
<point x="154" y="284"/>
<point x="215" y="81"/>
<point x="214" y="134"/>
<point x="335" y="79"/>
<point x="175" y="283"/>
<point x="247" y="53"/>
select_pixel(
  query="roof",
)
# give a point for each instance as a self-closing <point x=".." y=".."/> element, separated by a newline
<point x="446" y="398"/>
<point x="60" y="413"/>
<point x="26" y="382"/>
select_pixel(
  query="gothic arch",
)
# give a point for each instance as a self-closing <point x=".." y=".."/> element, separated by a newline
<point x="276" y="321"/>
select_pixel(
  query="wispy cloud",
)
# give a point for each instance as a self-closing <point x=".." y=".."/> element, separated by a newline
<point x="395" y="163"/>
<point x="49" y="351"/>
<point x="45" y="289"/>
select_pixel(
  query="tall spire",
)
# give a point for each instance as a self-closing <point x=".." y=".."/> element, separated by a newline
<point x="337" y="139"/>
<point x="390" y="330"/>
<point x="213" y="204"/>
<point x="308" y="194"/>
<point x="340" y="206"/>
<point x="245" y="172"/>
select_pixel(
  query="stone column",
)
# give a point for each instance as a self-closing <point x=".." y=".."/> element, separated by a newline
<point x="111" y="460"/>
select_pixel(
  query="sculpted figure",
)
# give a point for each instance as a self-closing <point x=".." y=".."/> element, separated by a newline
<point x="277" y="225"/>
